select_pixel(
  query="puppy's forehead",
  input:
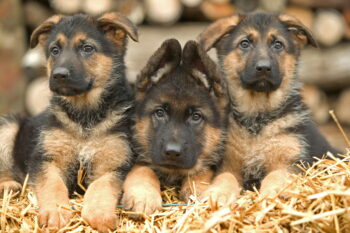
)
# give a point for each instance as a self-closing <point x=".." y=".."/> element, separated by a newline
<point x="76" y="28"/>
<point x="76" y="39"/>
<point x="83" y="37"/>
<point x="261" y="22"/>
<point x="60" y="38"/>
<point x="69" y="25"/>
<point x="261" y="27"/>
<point x="180" y="101"/>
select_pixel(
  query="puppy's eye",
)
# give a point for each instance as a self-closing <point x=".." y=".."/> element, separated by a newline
<point x="278" y="45"/>
<point x="55" y="51"/>
<point x="88" y="48"/>
<point x="196" y="117"/>
<point x="244" y="44"/>
<point x="159" y="113"/>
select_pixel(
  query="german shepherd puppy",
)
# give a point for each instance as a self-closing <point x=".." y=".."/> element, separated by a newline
<point x="87" y="124"/>
<point x="270" y="128"/>
<point x="180" y="121"/>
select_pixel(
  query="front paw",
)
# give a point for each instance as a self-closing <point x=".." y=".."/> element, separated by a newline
<point x="276" y="183"/>
<point x="10" y="185"/>
<point x="100" y="217"/>
<point x="187" y="191"/>
<point x="219" y="197"/>
<point x="54" y="217"/>
<point x="142" y="200"/>
<point x="273" y="191"/>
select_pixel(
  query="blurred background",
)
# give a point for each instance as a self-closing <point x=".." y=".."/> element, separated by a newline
<point x="325" y="71"/>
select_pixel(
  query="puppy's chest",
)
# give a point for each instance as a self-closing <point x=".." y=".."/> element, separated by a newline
<point x="65" y="146"/>
<point x="247" y="148"/>
<point x="250" y="150"/>
<point x="89" y="145"/>
<point x="73" y="142"/>
<point x="87" y="149"/>
<point x="246" y="153"/>
<point x="250" y="147"/>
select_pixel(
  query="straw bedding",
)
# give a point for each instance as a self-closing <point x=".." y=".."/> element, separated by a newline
<point x="315" y="201"/>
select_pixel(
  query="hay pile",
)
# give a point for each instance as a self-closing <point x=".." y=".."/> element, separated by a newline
<point x="317" y="201"/>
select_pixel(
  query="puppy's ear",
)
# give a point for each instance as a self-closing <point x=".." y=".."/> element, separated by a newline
<point x="116" y="26"/>
<point x="301" y="33"/>
<point x="212" y="34"/>
<point x="165" y="59"/>
<point x="203" y="68"/>
<point x="41" y="33"/>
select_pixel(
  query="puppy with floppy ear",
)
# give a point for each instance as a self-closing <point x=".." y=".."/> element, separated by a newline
<point x="88" y="124"/>
<point x="217" y="31"/>
<point x="214" y="32"/>
<point x="180" y="122"/>
<point x="302" y="35"/>
<point x="270" y="128"/>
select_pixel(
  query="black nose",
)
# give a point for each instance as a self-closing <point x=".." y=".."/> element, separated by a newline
<point x="173" y="150"/>
<point x="60" y="73"/>
<point x="263" y="66"/>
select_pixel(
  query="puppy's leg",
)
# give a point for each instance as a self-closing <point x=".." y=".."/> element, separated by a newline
<point x="100" y="201"/>
<point x="282" y="151"/>
<point x="52" y="195"/>
<point x="8" y="133"/>
<point x="112" y="153"/>
<point x="196" y="184"/>
<point x="56" y="147"/>
<point x="142" y="190"/>
<point x="224" y="189"/>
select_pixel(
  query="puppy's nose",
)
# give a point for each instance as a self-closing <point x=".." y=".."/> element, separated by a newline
<point x="173" y="150"/>
<point x="263" y="66"/>
<point x="60" y="73"/>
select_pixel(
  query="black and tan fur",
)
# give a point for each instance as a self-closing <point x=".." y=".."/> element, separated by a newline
<point x="180" y="122"/>
<point x="270" y="128"/>
<point x="87" y="125"/>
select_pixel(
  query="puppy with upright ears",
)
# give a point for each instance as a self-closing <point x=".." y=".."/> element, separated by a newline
<point x="88" y="124"/>
<point x="180" y="122"/>
<point x="270" y="128"/>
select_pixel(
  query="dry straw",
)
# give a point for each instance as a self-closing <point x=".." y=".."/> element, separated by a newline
<point x="315" y="201"/>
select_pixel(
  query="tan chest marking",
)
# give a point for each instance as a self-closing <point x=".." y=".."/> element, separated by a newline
<point x="271" y="148"/>
<point x="101" y="128"/>
<point x="96" y="148"/>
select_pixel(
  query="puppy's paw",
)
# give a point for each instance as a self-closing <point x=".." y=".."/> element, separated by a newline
<point x="275" y="185"/>
<point x="269" y="191"/>
<point x="10" y="185"/>
<point x="185" y="194"/>
<point x="273" y="191"/>
<point x="142" y="200"/>
<point x="54" y="217"/>
<point x="100" y="217"/>
<point x="219" y="197"/>
<point x="187" y="190"/>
